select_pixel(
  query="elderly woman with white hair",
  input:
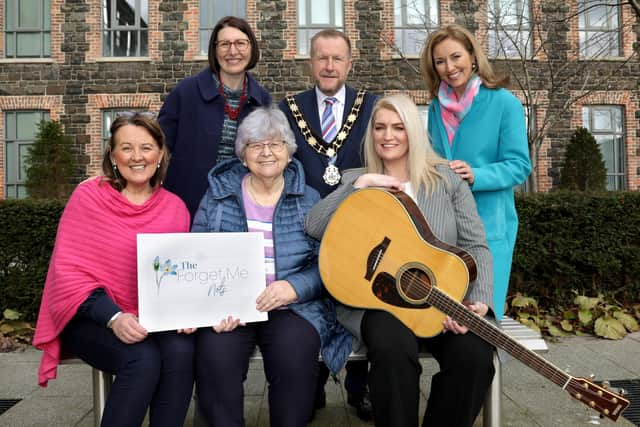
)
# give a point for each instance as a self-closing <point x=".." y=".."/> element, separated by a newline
<point x="264" y="190"/>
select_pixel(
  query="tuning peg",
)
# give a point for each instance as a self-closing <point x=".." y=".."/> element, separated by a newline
<point x="606" y="384"/>
<point x="622" y="392"/>
<point x="592" y="377"/>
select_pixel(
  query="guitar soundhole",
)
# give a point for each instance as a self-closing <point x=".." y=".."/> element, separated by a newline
<point x="415" y="284"/>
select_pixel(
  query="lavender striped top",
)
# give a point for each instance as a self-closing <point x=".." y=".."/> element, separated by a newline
<point x="260" y="219"/>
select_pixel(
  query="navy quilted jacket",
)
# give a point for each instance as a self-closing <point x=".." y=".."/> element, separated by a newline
<point x="296" y="254"/>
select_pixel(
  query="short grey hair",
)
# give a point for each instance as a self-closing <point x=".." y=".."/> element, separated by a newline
<point x="264" y="123"/>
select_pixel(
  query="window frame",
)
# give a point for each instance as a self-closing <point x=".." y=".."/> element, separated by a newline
<point x="402" y="29"/>
<point x="424" y="112"/>
<point x="305" y="31"/>
<point x="18" y="180"/>
<point x="616" y="178"/>
<point x="108" y="115"/>
<point x="110" y="32"/>
<point x="521" y="47"/>
<point x="12" y="30"/>
<point x="530" y="123"/>
<point x="610" y="33"/>
<point x="238" y="8"/>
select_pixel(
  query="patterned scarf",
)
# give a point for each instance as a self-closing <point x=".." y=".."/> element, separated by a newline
<point x="454" y="110"/>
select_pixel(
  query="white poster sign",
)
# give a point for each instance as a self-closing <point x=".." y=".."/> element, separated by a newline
<point x="188" y="280"/>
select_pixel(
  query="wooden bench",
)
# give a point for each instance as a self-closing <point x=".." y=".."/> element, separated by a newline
<point x="491" y="414"/>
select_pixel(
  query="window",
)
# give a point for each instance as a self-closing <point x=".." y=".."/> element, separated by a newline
<point x="413" y="21"/>
<point x="211" y="11"/>
<point x="599" y="28"/>
<point x="424" y="112"/>
<point x="108" y="116"/>
<point x="509" y="28"/>
<point x="20" y="129"/>
<point x="314" y="16"/>
<point x="27" y="29"/>
<point x="125" y="28"/>
<point x="530" y="126"/>
<point x="605" y="123"/>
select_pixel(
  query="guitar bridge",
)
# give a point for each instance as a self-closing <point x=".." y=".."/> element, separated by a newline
<point x="375" y="256"/>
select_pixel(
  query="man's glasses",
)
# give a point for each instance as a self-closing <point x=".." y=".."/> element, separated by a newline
<point x="131" y="114"/>
<point x="225" y="45"/>
<point x="258" y="147"/>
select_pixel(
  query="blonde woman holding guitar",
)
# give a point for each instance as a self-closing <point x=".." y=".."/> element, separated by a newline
<point x="398" y="156"/>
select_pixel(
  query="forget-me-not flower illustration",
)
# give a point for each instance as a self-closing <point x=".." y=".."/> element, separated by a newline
<point x="166" y="269"/>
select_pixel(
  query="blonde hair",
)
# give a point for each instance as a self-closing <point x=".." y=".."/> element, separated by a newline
<point x="460" y="34"/>
<point x="422" y="158"/>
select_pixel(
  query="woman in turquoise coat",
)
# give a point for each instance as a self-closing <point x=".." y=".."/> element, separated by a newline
<point x="480" y="128"/>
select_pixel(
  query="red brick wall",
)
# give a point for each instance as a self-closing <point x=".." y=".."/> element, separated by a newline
<point x="77" y="92"/>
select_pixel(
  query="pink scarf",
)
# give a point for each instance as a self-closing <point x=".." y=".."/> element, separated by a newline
<point x="454" y="110"/>
<point x="96" y="248"/>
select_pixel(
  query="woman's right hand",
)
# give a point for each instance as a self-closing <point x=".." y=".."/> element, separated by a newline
<point x="463" y="169"/>
<point x="227" y="325"/>
<point x="128" y="329"/>
<point x="378" y="180"/>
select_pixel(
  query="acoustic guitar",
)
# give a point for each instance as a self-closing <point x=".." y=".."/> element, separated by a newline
<point x="378" y="252"/>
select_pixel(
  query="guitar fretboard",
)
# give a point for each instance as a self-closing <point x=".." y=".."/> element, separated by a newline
<point x="492" y="334"/>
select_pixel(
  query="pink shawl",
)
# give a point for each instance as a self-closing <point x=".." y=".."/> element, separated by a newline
<point x="96" y="248"/>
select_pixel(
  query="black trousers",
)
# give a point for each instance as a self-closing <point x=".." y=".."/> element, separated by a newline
<point x="457" y="390"/>
<point x="289" y="345"/>
<point x="156" y="373"/>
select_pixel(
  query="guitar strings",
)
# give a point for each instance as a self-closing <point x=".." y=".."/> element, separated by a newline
<point x="476" y="323"/>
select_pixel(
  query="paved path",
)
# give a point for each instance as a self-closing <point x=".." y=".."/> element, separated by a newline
<point x="528" y="398"/>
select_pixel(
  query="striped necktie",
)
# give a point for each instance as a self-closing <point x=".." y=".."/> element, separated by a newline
<point x="328" y="124"/>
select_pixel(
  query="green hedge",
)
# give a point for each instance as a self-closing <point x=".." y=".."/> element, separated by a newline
<point x="27" y="232"/>
<point x="578" y="242"/>
<point x="567" y="242"/>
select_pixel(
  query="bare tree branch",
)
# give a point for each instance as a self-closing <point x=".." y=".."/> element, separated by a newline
<point x="548" y="82"/>
<point x="398" y="51"/>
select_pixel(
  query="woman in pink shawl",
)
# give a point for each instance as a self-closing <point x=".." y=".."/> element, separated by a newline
<point x="90" y="303"/>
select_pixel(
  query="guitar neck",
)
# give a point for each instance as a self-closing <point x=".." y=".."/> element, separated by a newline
<point x="493" y="335"/>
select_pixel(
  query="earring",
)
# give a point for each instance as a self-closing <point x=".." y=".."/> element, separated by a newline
<point x="158" y="165"/>
<point x="474" y="66"/>
<point x="115" y="168"/>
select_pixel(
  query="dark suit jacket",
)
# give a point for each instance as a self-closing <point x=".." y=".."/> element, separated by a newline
<point x="191" y="118"/>
<point x="349" y="155"/>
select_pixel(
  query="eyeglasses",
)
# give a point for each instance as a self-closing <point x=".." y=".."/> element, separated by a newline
<point x="258" y="147"/>
<point x="241" y="45"/>
<point x="131" y="114"/>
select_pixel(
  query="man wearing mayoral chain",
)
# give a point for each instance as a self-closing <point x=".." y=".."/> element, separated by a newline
<point x="329" y="122"/>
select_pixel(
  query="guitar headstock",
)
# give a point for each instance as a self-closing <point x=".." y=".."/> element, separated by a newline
<point x="606" y="402"/>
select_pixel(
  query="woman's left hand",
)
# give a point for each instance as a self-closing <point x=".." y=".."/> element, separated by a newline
<point x="463" y="169"/>
<point x="277" y="294"/>
<point x="451" y="325"/>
